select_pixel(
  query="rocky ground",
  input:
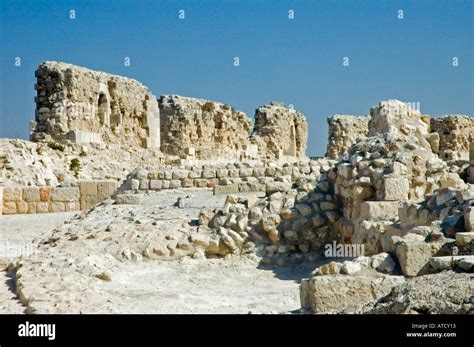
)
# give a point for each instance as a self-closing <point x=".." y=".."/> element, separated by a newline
<point x="178" y="285"/>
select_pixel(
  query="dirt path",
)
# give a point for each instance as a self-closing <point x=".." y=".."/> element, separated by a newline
<point x="16" y="234"/>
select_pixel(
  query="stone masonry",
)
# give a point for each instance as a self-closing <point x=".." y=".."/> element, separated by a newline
<point x="343" y="133"/>
<point x="86" y="106"/>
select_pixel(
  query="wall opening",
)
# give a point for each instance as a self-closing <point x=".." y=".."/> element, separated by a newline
<point x="103" y="108"/>
<point x="292" y="144"/>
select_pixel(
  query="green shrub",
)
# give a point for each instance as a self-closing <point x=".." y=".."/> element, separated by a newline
<point x="75" y="167"/>
<point x="56" y="146"/>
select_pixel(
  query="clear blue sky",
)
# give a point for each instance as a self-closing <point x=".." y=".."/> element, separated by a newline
<point x="295" y="61"/>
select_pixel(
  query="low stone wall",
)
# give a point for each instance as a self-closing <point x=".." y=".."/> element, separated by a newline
<point x="343" y="133"/>
<point x="229" y="178"/>
<point x="74" y="196"/>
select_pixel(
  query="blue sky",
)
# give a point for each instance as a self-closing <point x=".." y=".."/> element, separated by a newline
<point x="296" y="61"/>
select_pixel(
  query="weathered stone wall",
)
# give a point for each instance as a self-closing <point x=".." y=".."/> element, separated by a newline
<point x="226" y="178"/>
<point x="280" y="132"/>
<point x="455" y="133"/>
<point x="79" y="195"/>
<point x="471" y="162"/>
<point x="86" y="106"/>
<point x="343" y="132"/>
<point x="202" y="129"/>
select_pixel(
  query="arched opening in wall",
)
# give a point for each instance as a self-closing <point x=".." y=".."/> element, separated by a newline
<point x="292" y="144"/>
<point x="103" y="108"/>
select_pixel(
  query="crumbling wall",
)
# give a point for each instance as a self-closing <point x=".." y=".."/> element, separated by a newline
<point x="75" y="196"/>
<point x="280" y="132"/>
<point x="455" y="133"/>
<point x="202" y="129"/>
<point x="85" y="106"/>
<point x="344" y="130"/>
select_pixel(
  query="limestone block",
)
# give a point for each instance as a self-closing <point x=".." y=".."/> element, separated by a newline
<point x="213" y="182"/>
<point x="31" y="194"/>
<point x="195" y="174"/>
<point x="155" y="184"/>
<point x="129" y="199"/>
<point x="221" y="173"/>
<point x="228" y="189"/>
<point x="42" y="207"/>
<point x="165" y="184"/>
<point x="469" y="219"/>
<point x="378" y="210"/>
<point x="57" y="206"/>
<point x="413" y="257"/>
<point x="144" y="184"/>
<point x="246" y="172"/>
<point x="106" y="189"/>
<point x="258" y="172"/>
<point x="180" y="174"/>
<point x="187" y="182"/>
<point x="329" y="294"/>
<point x="12" y="194"/>
<point x="32" y="207"/>
<point x="1" y="200"/>
<point x="234" y="173"/>
<point x="9" y="207"/>
<point x="134" y="184"/>
<point x="463" y="239"/>
<point x="200" y="182"/>
<point x="396" y="188"/>
<point x="208" y="174"/>
<point x="175" y="184"/>
<point x="45" y="194"/>
<point x="21" y="207"/>
<point x="65" y="194"/>
<point x="88" y="201"/>
<point x="88" y="188"/>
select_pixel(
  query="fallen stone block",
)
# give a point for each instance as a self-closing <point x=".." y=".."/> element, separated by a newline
<point x="330" y="294"/>
<point x="228" y="189"/>
<point x="129" y="199"/>
<point x="463" y="239"/>
<point x="413" y="257"/>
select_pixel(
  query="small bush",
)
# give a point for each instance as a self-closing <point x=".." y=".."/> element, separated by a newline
<point x="56" y="146"/>
<point x="83" y="154"/>
<point x="75" y="167"/>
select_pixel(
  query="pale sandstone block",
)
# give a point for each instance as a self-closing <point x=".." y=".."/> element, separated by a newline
<point x="45" y="194"/>
<point x="32" y="207"/>
<point x="165" y="184"/>
<point x="106" y="188"/>
<point x="211" y="183"/>
<point x="42" y="207"/>
<point x="247" y="172"/>
<point x="65" y="194"/>
<point x="396" y="188"/>
<point x="12" y="194"/>
<point x="208" y="174"/>
<point x="175" y="184"/>
<point x="200" y="182"/>
<point x="144" y="184"/>
<point x="57" y="206"/>
<point x="31" y="194"/>
<point x="180" y="174"/>
<point x="187" y="182"/>
<point x="9" y="207"/>
<point x="21" y="207"/>
<point x="72" y="206"/>
<point x="88" y="188"/>
<point x="222" y="173"/>
<point x="155" y="184"/>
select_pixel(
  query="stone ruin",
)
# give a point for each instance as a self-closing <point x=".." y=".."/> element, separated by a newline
<point x="397" y="182"/>
<point x="85" y="106"/>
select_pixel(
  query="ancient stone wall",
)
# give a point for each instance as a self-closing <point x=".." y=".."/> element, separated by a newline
<point x="85" y="106"/>
<point x="455" y="133"/>
<point x="226" y="178"/>
<point x="280" y="132"/>
<point x="202" y="129"/>
<point x="343" y="132"/>
<point x="75" y="196"/>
